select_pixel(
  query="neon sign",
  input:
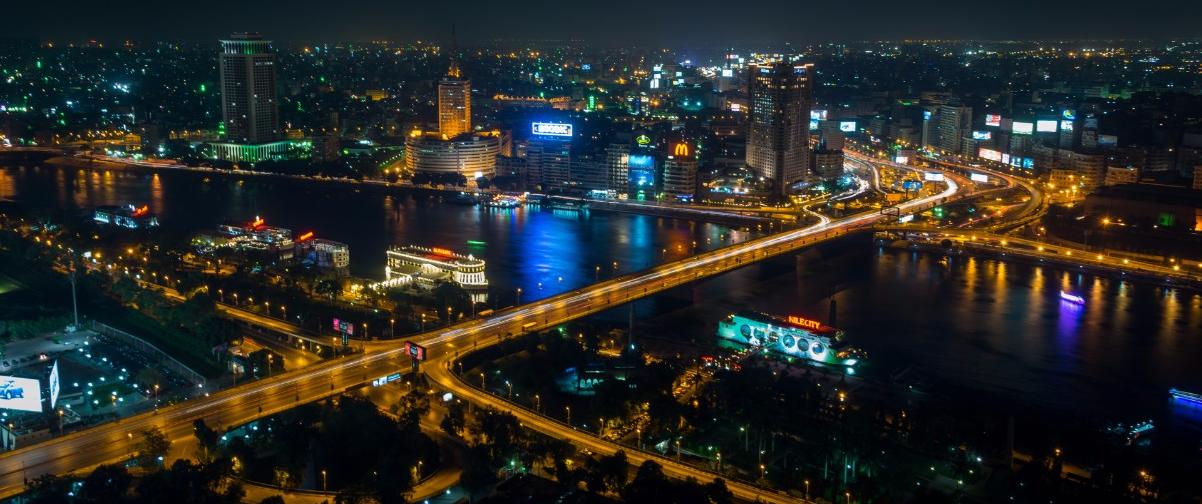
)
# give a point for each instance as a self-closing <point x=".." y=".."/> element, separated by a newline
<point x="682" y="149"/>
<point x="305" y="236"/>
<point x="257" y="222"/>
<point x="141" y="211"/>
<point x="443" y="252"/>
<point x="642" y="140"/>
<point x="804" y="322"/>
<point x="551" y="129"/>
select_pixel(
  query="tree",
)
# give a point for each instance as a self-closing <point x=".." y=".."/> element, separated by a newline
<point x="152" y="447"/>
<point x="477" y="473"/>
<point x="206" y="440"/>
<point x="107" y="483"/>
<point x="48" y="489"/>
<point x="455" y="419"/>
<point x="328" y="287"/>
<point x="608" y="473"/>
<point x="274" y="499"/>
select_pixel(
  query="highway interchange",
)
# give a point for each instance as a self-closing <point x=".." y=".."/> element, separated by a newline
<point x="115" y="441"/>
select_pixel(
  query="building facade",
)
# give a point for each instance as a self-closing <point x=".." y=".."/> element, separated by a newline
<point x="250" y="110"/>
<point x="778" y="118"/>
<point x="472" y="156"/>
<point x="454" y="104"/>
<point x="680" y="171"/>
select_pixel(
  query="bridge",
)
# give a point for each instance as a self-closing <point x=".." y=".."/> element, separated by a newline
<point x="115" y="441"/>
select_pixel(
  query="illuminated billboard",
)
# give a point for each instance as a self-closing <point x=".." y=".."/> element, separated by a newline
<point x="901" y="159"/>
<point x="1069" y="114"/>
<point x="23" y="394"/>
<point x="933" y="176"/>
<point x="1028" y="163"/>
<point x="978" y="177"/>
<point x="847" y="126"/>
<point x="982" y="135"/>
<point x="551" y="129"/>
<point x="994" y="120"/>
<point x="1066" y="125"/>
<point x="53" y="384"/>
<point x="1022" y="128"/>
<point x="926" y="115"/>
<point x="1046" y="126"/>
<point x="818" y="115"/>
<point x="415" y="351"/>
<point x="1108" y="140"/>
<point x="990" y="154"/>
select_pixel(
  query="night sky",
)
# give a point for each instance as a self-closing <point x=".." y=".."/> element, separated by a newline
<point x="666" y="22"/>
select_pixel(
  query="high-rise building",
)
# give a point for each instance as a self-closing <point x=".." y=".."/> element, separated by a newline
<point x="617" y="158"/>
<point x="248" y="90"/>
<point x="953" y="124"/>
<point x="249" y="106"/>
<point x="454" y="103"/>
<point x="549" y="163"/>
<point x="778" y="117"/>
<point x="680" y="171"/>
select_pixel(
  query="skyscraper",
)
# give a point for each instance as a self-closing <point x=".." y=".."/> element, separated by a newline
<point x="248" y="94"/>
<point x="454" y="103"/>
<point x="249" y="107"/>
<point x="778" y="118"/>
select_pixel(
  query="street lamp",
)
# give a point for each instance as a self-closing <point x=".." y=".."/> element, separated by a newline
<point x="537" y="403"/>
<point x="569" y="410"/>
<point x="510" y="386"/>
<point x="323" y="480"/>
<point x="391" y="328"/>
<point x="807" y="482"/>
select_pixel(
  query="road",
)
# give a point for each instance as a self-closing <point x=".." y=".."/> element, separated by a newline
<point x="106" y="443"/>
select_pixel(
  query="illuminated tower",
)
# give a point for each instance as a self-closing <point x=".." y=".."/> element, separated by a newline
<point x="454" y="101"/>
<point x="778" y="118"/>
<point x="248" y="94"/>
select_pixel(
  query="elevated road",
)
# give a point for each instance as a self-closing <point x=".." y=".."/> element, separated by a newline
<point x="115" y="441"/>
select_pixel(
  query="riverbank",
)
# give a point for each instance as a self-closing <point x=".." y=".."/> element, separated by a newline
<point x="657" y="210"/>
<point x="1124" y="269"/>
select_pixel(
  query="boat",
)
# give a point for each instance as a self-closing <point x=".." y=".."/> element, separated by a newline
<point x="463" y="199"/>
<point x="1183" y="396"/>
<point x="503" y="201"/>
<point x="1071" y="298"/>
<point x="567" y="206"/>
<point x="792" y="336"/>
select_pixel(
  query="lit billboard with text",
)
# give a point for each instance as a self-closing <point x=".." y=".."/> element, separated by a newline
<point x="22" y="394"/>
<point x="994" y="120"/>
<point x="551" y="129"/>
<point x="847" y="126"/>
<point x="991" y="154"/>
<point x="1046" y="126"/>
<point x="1022" y="128"/>
<point x="978" y="177"/>
<point x="982" y="135"/>
<point x="933" y="176"/>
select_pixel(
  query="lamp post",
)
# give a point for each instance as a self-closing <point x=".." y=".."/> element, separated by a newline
<point x="807" y="482"/>
<point x="537" y="404"/>
<point x="391" y="328"/>
<point x="323" y="481"/>
<point x="569" y="410"/>
<point x="519" y="296"/>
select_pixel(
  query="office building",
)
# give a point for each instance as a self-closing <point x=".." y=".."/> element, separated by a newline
<point x="680" y="171"/>
<point x="617" y="159"/>
<point x="828" y="163"/>
<point x="549" y="163"/>
<point x="472" y="156"/>
<point x="953" y="123"/>
<point x="778" y="118"/>
<point x="454" y="103"/>
<point x="249" y="106"/>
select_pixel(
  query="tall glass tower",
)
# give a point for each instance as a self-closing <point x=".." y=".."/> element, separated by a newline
<point x="778" y="118"/>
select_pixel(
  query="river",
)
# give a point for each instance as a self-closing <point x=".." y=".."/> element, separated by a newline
<point x="982" y="324"/>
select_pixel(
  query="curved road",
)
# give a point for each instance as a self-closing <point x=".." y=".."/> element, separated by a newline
<point x="115" y="441"/>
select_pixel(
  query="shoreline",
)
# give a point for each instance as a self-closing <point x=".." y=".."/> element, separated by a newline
<point x="732" y="219"/>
